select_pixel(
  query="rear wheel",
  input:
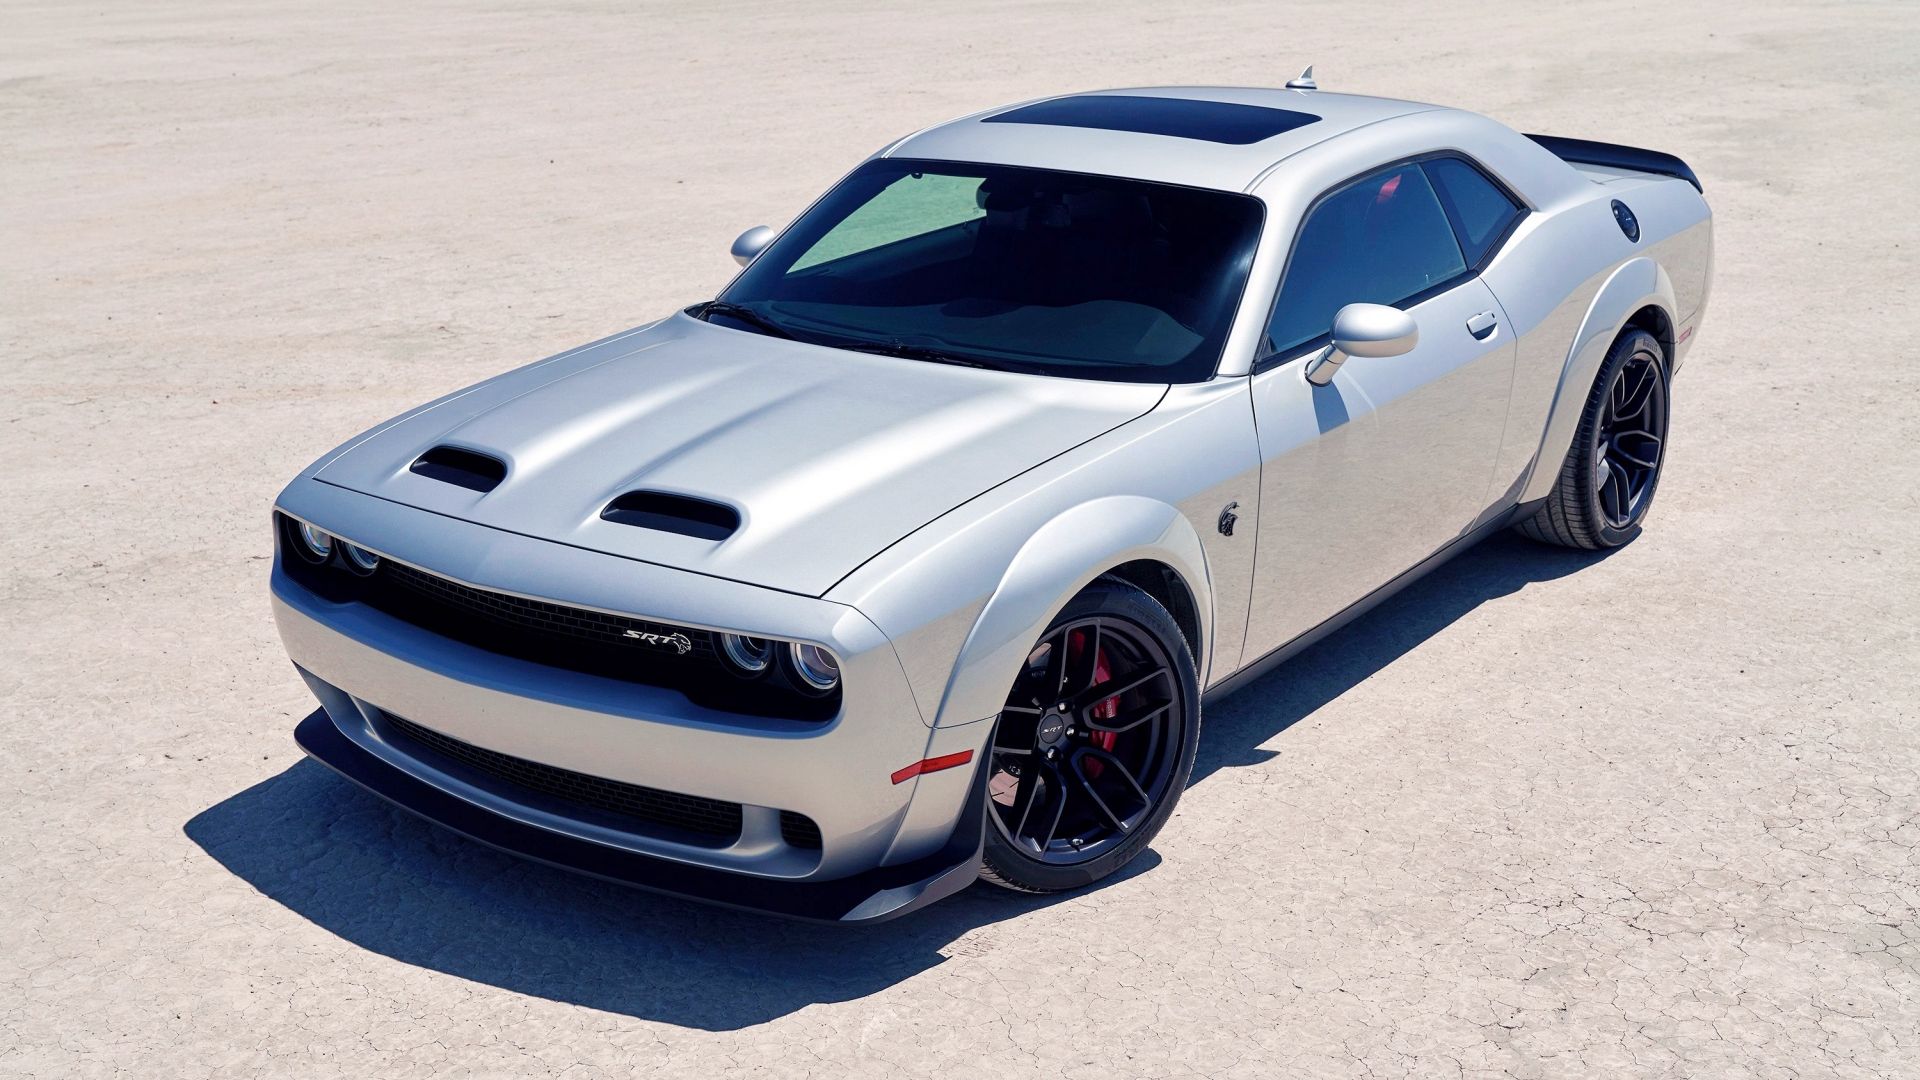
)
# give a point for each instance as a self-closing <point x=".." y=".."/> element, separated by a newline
<point x="1607" y="482"/>
<point x="1094" y="745"/>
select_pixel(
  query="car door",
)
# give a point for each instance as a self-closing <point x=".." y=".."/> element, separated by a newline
<point x="1364" y="477"/>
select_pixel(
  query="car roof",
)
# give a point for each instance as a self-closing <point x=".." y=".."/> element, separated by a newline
<point x="1202" y="136"/>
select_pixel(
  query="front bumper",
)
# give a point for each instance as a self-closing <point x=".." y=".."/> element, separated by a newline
<point x="874" y="896"/>
<point x="884" y="847"/>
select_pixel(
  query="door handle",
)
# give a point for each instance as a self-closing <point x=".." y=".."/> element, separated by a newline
<point x="1482" y="324"/>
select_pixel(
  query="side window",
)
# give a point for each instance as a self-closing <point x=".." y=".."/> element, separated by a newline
<point x="910" y="206"/>
<point x="1479" y="210"/>
<point x="1379" y="240"/>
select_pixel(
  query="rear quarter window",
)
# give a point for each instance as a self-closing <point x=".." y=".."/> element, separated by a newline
<point x="1478" y="209"/>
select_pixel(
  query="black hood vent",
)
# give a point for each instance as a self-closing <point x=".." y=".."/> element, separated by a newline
<point x="674" y="513"/>
<point x="463" y="468"/>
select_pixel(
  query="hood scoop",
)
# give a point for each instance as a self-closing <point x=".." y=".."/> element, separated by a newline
<point x="664" y="512"/>
<point x="462" y="468"/>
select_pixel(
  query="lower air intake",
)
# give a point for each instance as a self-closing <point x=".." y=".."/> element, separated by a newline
<point x="709" y="822"/>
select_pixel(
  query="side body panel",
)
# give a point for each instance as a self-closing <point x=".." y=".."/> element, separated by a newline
<point x="1368" y="475"/>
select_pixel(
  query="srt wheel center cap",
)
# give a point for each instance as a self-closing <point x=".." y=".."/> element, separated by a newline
<point x="1053" y="727"/>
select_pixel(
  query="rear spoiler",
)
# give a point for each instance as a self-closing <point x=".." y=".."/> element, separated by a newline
<point x="1585" y="152"/>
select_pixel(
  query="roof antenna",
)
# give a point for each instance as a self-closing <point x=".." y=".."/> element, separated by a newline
<point x="1304" y="82"/>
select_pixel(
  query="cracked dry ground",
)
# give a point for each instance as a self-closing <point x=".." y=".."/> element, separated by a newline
<point x="1543" y="816"/>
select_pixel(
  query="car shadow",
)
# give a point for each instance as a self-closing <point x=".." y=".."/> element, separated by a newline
<point x="1236" y="728"/>
<point x="395" y="885"/>
<point x="398" y="886"/>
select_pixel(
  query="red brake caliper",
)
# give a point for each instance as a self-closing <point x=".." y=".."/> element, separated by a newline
<point x="1106" y="710"/>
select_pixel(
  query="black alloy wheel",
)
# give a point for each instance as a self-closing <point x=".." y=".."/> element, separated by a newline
<point x="1607" y="482"/>
<point x="1629" y="438"/>
<point x="1094" y="744"/>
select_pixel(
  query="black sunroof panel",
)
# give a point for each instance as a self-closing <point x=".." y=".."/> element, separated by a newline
<point x="1182" y="118"/>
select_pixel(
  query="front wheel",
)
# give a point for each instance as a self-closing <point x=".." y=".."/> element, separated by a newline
<point x="1094" y="745"/>
<point x="1606" y="484"/>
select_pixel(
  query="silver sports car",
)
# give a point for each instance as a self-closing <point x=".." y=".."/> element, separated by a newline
<point x="912" y="557"/>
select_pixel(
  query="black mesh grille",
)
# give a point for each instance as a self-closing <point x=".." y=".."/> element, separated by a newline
<point x="708" y="821"/>
<point x="623" y="647"/>
<point x="538" y="615"/>
<point x="799" y="830"/>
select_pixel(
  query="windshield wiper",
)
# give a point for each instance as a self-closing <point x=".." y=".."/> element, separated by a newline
<point x="741" y="313"/>
<point x="908" y="351"/>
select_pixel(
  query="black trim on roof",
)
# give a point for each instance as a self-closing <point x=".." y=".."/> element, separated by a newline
<point x="1180" y="118"/>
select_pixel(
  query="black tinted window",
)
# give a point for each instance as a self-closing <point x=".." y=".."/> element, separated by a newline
<point x="1380" y="240"/>
<point x="1480" y="211"/>
<point x="1182" y="118"/>
<point x="1093" y="277"/>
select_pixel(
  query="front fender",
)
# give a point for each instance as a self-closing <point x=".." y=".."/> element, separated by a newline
<point x="1061" y="558"/>
<point x="1054" y="563"/>
<point x="1636" y="284"/>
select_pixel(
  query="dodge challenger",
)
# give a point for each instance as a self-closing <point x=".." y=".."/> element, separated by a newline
<point x="912" y="556"/>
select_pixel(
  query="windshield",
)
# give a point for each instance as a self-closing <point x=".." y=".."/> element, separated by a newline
<point x="1091" y="277"/>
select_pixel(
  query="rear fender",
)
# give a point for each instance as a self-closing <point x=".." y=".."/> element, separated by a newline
<point x="1638" y="283"/>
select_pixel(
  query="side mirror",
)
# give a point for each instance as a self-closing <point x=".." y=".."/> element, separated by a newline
<point x="748" y="245"/>
<point x="1364" y="330"/>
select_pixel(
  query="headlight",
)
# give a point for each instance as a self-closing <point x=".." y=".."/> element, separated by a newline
<point x="363" y="560"/>
<point x="318" y="544"/>
<point x="746" y="655"/>
<point x="814" y="667"/>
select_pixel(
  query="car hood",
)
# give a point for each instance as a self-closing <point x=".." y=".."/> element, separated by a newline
<point x="828" y="456"/>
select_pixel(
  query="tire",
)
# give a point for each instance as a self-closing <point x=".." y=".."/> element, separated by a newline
<point x="1607" y="483"/>
<point x="1102" y="777"/>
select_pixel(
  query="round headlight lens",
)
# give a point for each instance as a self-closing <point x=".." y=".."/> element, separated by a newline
<point x="363" y="560"/>
<point x="815" y="666"/>
<point x="318" y="544"/>
<point x="747" y="655"/>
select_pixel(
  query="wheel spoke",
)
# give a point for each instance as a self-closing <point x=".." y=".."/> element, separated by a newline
<point x="1632" y="402"/>
<point x="1099" y="803"/>
<point x="1618" y="495"/>
<point x="1044" y="684"/>
<point x="1113" y="688"/>
<point x="1110" y="766"/>
<point x="1081" y="664"/>
<point x="1052" y="812"/>
<point x="1125" y="723"/>
<point x="1647" y="458"/>
<point x="1113" y="763"/>
<point x="1032" y="786"/>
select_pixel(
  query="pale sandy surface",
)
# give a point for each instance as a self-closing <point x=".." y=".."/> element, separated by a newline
<point x="1655" y="815"/>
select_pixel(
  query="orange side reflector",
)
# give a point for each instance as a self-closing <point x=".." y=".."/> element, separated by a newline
<point x="932" y="764"/>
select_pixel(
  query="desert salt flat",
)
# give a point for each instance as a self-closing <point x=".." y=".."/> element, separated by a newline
<point x="1656" y="814"/>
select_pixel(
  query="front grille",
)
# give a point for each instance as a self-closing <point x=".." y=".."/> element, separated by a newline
<point x="623" y="647"/>
<point x="710" y="822"/>
<point x="542" y="617"/>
